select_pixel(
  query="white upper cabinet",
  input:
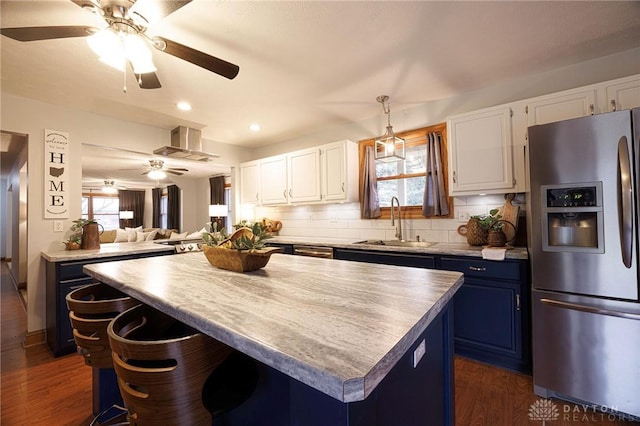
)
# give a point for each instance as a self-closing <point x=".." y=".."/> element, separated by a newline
<point x="562" y="106"/>
<point x="623" y="93"/>
<point x="304" y="176"/>
<point x="273" y="180"/>
<point x="481" y="152"/>
<point x="249" y="182"/>
<point x="339" y="171"/>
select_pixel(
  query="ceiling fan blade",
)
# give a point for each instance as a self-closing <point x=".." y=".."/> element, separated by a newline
<point x="153" y="10"/>
<point x="178" y="169"/>
<point x="46" y="33"/>
<point x="211" y="63"/>
<point x="147" y="80"/>
<point x="174" y="173"/>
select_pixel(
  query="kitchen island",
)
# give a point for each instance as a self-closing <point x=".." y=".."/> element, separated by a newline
<point x="338" y="342"/>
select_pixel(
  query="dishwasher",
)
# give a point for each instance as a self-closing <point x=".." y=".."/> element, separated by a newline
<point x="313" y="251"/>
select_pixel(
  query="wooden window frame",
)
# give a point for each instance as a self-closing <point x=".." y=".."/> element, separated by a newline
<point x="412" y="138"/>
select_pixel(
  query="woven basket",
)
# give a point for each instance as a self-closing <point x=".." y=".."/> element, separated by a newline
<point x="476" y="236"/>
<point x="239" y="260"/>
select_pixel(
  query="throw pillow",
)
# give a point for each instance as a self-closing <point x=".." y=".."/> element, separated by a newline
<point x="197" y="234"/>
<point x="176" y="236"/>
<point x="132" y="233"/>
<point x="122" y="236"/>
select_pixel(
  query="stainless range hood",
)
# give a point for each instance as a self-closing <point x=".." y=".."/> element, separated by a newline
<point x="186" y="144"/>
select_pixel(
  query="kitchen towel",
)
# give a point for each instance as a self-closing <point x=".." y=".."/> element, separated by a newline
<point x="493" y="253"/>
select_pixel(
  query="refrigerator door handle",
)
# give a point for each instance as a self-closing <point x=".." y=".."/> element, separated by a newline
<point x="590" y="309"/>
<point x="625" y="202"/>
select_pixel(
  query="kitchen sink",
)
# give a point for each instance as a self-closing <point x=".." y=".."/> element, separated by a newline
<point x="395" y="243"/>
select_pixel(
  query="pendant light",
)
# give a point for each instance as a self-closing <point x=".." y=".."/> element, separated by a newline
<point x="388" y="147"/>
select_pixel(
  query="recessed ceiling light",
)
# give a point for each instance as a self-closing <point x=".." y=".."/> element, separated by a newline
<point x="255" y="127"/>
<point x="184" y="106"/>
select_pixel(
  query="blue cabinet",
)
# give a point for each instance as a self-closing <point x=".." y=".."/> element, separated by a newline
<point x="61" y="279"/>
<point x="492" y="311"/>
<point x="416" y="260"/>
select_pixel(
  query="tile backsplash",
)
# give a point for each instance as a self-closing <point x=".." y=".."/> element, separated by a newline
<point x="343" y="220"/>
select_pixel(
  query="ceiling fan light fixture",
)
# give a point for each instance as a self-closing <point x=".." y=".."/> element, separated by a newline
<point x="109" y="187"/>
<point x="156" y="174"/>
<point x="138" y="53"/>
<point x="108" y="46"/>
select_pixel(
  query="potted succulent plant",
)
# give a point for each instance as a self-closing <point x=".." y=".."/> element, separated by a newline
<point x="242" y="251"/>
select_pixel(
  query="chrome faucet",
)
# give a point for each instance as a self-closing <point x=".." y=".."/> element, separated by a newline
<point x="399" y="227"/>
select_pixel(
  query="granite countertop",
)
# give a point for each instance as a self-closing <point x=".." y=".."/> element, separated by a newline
<point x="337" y="326"/>
<point x="106" y="250"/>
<point x="455" y="249"/>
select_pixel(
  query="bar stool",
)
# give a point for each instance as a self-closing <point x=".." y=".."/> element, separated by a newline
<point x="91" y="309"/>
<point x="163" y="364"/>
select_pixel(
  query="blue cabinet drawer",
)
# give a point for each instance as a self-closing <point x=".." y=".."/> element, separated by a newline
<point x="506" y="270"/>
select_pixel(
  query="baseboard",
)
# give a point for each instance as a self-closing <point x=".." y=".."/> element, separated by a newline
<point x="34" y="338"/>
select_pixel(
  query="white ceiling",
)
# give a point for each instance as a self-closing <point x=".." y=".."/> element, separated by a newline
<point x="306" y="65"/>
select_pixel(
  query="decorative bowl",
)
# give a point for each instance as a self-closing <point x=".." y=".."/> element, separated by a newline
<point x="239" y="260"/>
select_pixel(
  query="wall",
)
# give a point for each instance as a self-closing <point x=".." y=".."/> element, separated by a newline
<point x="17" y="227"/>
<point x="343" y="221"/>
<point x="30" y="117"/>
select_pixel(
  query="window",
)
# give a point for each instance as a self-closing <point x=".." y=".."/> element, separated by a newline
<point x="102" y="208"/>
<point x="164" y="202"/>
<point x="405" y="179"/>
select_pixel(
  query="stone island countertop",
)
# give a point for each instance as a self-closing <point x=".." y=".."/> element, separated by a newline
<point x="106" y="250"/>
<point x="337" y="326"/>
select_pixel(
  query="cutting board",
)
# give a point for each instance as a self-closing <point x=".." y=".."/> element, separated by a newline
<point x="510" y="213"/>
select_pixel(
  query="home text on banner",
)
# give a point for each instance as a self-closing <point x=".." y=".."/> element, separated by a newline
<point x="56" y="175"/>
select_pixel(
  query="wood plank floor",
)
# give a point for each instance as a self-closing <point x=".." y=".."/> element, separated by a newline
<point x="38" y="389"/>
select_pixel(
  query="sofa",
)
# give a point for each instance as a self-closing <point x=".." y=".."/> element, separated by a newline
<point x="136" y="234"/>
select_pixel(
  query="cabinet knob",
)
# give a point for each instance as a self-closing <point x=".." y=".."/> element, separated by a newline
<point x="256" y="196"/>
<point x="592" y="109"/>
<point x="517" y="301"/>
<point x="613" y="105"/>
<point x="284" y="193"/>
<point x="454" y="176"/>
<point x="290" y="194"/>
<point x="342" y="186"/>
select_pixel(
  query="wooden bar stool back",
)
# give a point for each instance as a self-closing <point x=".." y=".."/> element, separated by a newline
<point x="91" y="309"/>
<point x="162" y="365"/>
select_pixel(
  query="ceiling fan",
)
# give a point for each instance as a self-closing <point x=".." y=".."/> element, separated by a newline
<point x="158" y="171"/>
<point x="124" y="40"/>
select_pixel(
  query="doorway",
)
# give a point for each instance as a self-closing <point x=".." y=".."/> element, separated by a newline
<point x="14" y="182"/>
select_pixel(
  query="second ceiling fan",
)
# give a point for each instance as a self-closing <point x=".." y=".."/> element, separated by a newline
<point x="124" y="40"/>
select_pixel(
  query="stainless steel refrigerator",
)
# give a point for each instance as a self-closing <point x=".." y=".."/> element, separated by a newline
<point x="583" y="245"/>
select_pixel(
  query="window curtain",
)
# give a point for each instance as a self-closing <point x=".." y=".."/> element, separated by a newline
<point x="173" y="207"/>
<point x="435" y="202"/>
<point x="369" y="202"/>
<point x="133" y="201"/>
<point x="156" y="197"/>
<point x="216" y="188"/>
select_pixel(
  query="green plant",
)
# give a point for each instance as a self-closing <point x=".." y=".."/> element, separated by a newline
<point x="79" y="223"/>
<point x="490" y="222"/>
<point x="253" y="240"/>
